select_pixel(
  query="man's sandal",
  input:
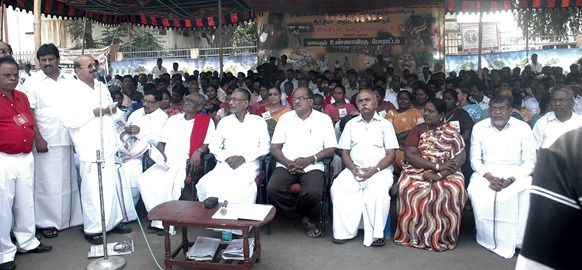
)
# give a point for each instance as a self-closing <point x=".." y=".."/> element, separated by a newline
<point x="311" y="229"/>
<point x="50" y="232"/>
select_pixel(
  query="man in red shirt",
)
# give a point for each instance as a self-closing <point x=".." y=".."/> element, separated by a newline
<point x="16" y="172"/>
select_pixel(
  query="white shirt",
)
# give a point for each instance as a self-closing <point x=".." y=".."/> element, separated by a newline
<point x="176" y="134"/>
<point x="368" y="142"/>
<point x="484" y="104"/>
<point x="392" y="97"/>
<point x="157" y="71"/>
<point x="578" y="104"/>
<point x="85" y="127"/>
<point x="351" y="91"/>
<point x="513" y="145"/>
<point x="172" y="72"/>
<point x="537" y="67"/>
<point x="150" y="125"/>
<point x="304" y="138"/>
<point x="249" y="139"/>
<point x="549" y="128"/>
<point x="49" y="100"/>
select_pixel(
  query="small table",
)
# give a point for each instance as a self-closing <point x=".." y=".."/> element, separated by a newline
<point x="192" y="214"/>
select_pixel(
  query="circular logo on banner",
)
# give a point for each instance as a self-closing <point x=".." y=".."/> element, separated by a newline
<point x="471" y="37"/>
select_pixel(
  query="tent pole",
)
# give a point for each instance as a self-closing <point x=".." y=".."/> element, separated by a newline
<point x="527" y="19"/>
<point x="2" y="15"/>
<point x="221" y="50"/>
<point x="479" y="69"/>
<point x="84" y="34"/>
<point x="37" y="29"/>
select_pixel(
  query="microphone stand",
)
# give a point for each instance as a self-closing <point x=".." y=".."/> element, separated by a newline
<point x="105" y="263"/>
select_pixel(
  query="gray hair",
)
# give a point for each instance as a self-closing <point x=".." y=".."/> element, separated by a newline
<point x="201" y="100"/>
<point x="564" y="88"/>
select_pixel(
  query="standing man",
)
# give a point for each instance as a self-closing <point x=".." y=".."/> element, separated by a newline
<point x="158" y="70"/>
<point x="240" y="139"/>
<point x="16" y="172"/>
<point x="503" y="155"/>
<point x="360" y="192"/>
<point x="56" y="190"/>
<point x="146" y="124"/>
<point x="175" y="70"/>
<point x="90" y="136"/>
<point x="536" y="67"/>
<point x="302" y="139"/>
<point x="560" y="120"/>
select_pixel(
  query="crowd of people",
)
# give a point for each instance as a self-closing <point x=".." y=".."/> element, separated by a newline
<point x="438" y="141"/>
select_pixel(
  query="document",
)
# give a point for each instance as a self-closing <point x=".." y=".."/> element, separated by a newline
<point x="113" y="249"/>
<point x="235" y="211"/>
<point x="203" y="249"/>
<point x="234" y="250"/>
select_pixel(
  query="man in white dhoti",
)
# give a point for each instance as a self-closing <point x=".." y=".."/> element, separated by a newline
<point x="146" y="124"/>
<point x="16" y="171"/>
<point x="503" y="155"/>
<point x="240" y="139"/>
<point x="56" y="190"/>
<point x="86" y="128"/>
<point x="560" y="120"/>
<point x="360" y="193"/>
<point x="184" y="137"/>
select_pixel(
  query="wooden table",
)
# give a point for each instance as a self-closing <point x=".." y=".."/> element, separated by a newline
<point x="186" y="214"/>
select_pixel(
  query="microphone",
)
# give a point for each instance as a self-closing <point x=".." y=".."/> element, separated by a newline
<point x="223" y="209"/>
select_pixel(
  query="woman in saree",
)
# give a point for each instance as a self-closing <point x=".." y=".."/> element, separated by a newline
<point x="273" y="109"/>
<point x="340" y="108"/>
<point x="431" y="188"/>
<point x="403" y="120"/>
<point x="263" y="93"/>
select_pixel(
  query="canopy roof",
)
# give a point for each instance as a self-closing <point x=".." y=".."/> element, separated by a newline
<point x="204" y="13"/>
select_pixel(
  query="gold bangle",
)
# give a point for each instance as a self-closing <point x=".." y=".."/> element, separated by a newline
<point x="437" y="166"/>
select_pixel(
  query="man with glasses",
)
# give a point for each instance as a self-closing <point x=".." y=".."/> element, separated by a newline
<point x="560" y="120"/>
<point x="91" y="126"/>
<point x="302" y="139"/>
<point x="185" y="136"/>
<point x="503" y="155"/>
<point x="146" y="124"/>
<point x="240" y="139"/>
<point x="16" y="172"/>
<point x="56" y="190"/>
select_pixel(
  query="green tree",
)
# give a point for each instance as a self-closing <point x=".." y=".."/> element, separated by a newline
<point x="143" y="39"/>
<point x="75" y="29"/>
<point x="558" y="23"/>
<point x="113" y="35"/>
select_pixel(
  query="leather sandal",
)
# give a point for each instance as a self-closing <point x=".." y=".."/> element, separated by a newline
<point x="94" y="239"/>
<point x="122" y="228"/>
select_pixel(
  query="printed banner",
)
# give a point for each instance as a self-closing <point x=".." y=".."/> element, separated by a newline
<point x="408" y="37"/>
<point x="470" y="37"/>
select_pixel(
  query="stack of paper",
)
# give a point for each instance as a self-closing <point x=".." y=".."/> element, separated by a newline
<point x="234" y="250"/>
<point x="113" y="249"/>
<point x="244" y="211"/>
<point x="203" y="249"/>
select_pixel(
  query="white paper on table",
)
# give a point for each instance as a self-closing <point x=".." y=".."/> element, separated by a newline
<point x="235" y="211"/>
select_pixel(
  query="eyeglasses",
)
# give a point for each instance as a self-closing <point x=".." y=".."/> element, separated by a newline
<point x="89" y="66"/>
<point x="498" y="109"/>
<point x="6" y="51"/>
<point x="560" y="100"/>
<point x="8" y="76"/>
<point x="148" y="102"/>
<point x="299" y="99"/>
<point x="273" y="94"/>
<point x="237" y="99"/>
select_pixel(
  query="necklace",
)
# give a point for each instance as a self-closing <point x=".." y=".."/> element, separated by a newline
<point x="451" y="115"/>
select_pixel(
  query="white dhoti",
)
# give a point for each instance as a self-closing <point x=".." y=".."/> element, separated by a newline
<point x="125" y="195"/>
<point x="158" y="186"/>
<point x="16" y="205"/>
<point x="90" y="196"/>
<point x="500" y="217"/>
<point x="364" y="203"/>
<point x="130" y="171"/>
<point x="235" y="186"/>
<point x="56" y="190"/>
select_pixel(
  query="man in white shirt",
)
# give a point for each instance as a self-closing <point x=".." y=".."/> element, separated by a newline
<point x="391" y="92"/>
<point x="177" y="147"/>
<point x="284" y="65"/>
<point x="360" y="192"/>
<point x="175" y="70"/>
<point x="352" y="87"/>
<point x="240" y="139"/>
<point x="578" y="101"/>
<point x="26" y="74"/>
<point x="536" y="66"/>
<point x="289" y="77"/>
<point x="84" y="124"/>
<point x="56" y="193"/>
<point x="559" y="121"/>
<point x="158" y="69"/>
<point x="503" y="155"/>
<point x="145" y="124"/>
<point x="302" y="139"/>
<point x="478" y="94"/>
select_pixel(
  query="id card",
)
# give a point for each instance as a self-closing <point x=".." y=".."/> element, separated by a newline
<point x="382" y="113"/>
<point x="343" y="112"/>
<point x="266" y="115"/>
<point x="20" y="119"/>
<point x="456" y="124"/>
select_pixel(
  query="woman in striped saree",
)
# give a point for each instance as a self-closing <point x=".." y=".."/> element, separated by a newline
<point x="431" y="189"/>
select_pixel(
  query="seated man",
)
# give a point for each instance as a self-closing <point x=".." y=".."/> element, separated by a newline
<point x="240" y="139"/>
<point x="559" y="121"/>
<point x="503" y="154"/>
<point x="146" y="124"/>
<point x="360" y="193"/>
<point x="184" y="136"/>
<point x="302" y="139"/>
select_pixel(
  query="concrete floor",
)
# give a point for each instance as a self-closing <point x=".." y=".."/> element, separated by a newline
<point x="285" y="248"/>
